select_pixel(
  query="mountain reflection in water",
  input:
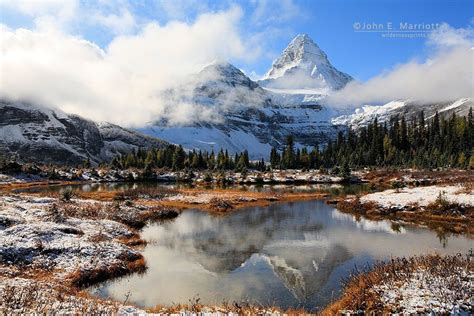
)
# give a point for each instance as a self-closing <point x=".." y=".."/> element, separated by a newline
<point x="288" y="255"/>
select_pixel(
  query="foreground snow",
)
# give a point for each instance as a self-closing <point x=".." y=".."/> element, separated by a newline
<point x="422" y="196"/>
<point x="424" y="292"/>
<point x="41" y="250"/>
<point x="32" y="234"/>
<point x="419" y="285"/>
<point x="45" y="297"/>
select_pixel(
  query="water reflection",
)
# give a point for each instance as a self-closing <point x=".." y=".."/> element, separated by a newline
<point x="334" y="189"/>
<point x="291" y="254"/>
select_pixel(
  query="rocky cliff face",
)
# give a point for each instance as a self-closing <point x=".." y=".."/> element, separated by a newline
<point x="37" y="134"/>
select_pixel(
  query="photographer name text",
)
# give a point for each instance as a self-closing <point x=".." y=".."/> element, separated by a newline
<point x="395" y="27"/>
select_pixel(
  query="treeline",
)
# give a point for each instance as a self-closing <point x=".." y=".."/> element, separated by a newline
<point x="176" y="158"/>
<point x="421" y="143"/>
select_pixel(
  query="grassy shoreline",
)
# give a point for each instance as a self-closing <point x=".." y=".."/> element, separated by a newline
<point x="440" y="211"/>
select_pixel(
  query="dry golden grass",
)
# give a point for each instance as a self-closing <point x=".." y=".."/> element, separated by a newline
<point x="449" y="176"/>
<point x="8" y="187"/>
<point x="220" y="205"/>
<point x="236" y="199"/>
<point x="145" y="193"/>
<point x="85" y="278"/>
<point x="242" y="308"/>
<point x="134" y="216"/>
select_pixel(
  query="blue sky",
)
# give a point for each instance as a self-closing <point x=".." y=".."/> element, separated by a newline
<point x="328" y="22"/>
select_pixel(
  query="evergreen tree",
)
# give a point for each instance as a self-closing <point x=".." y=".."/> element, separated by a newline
<point x="274" y="158"/>
<point x="288" y="157"/>
<point x="178" y="158"/>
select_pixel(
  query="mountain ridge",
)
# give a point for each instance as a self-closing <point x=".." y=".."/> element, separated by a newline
<point x="35" y="133"/>
<point x="365" y="115"/>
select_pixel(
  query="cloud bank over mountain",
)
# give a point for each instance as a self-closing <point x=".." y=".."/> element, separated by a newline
<point x="122" y="82"/>
<point x="445" y="76"/>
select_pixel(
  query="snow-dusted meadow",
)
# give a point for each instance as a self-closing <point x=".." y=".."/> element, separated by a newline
<point x="47" y="252"/>
<point x="421" y="196"/>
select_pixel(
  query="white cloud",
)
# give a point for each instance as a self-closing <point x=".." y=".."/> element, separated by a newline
<point x="45" y="13"/>
<point x="36" y="8"/>
<point x="121" y="23"/>
<point x="446" y="37"/>
<point x="121" y="83"/>
<point x="445" y="76"/>
<point x="72" y="15"/>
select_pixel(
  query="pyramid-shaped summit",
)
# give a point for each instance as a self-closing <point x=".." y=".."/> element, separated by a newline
<point x="304" y="65"/>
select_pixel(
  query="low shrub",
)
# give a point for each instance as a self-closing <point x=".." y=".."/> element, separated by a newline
<point x="220" y="205"/>
<point x="66" y="195"/>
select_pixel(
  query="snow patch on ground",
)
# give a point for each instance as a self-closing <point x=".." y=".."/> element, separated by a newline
<point x="30" y="234"/>
<point x="34" y="236"/>
<point x="50" y="299"/>
<point x="419" y="195"/>
<point x="425" y="293"/>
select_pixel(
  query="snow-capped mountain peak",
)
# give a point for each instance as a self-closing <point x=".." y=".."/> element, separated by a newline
<point x="302" y="49"/>
<point x="304" y="65"/>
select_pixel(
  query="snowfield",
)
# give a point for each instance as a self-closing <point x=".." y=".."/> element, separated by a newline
<point x="419" y="195"/>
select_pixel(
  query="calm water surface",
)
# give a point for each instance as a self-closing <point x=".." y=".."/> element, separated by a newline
<point x="335" y="189"/>
<point x="289" y="255"/>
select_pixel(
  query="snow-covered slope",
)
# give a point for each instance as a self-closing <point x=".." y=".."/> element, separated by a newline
<point x="409" y="109"/>
<point x="37" y="134"/>
<point x="251" y="118"/>
<point x="303" y="65"/>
